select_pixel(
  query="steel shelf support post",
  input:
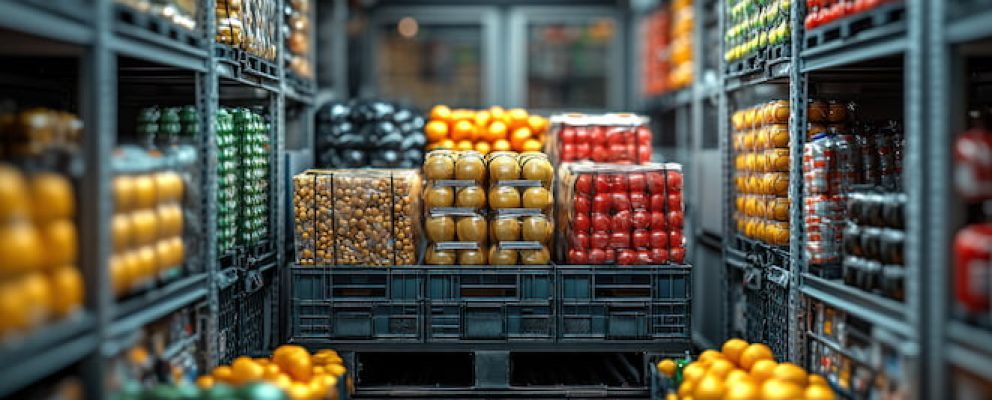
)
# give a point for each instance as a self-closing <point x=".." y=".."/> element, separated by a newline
<point x="207" y="99"/>
<point x="723" y="117"/>
<point x="99" y="98"/>
<point x="798" y="95"/>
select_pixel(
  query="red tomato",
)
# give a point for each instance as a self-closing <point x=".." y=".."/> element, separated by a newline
<point x="596" y="256"/>
<point x="600" y="222"/>
<point x="627" y="257"/>
<point x="630" y="154"/>
<point x="677" y="255"/>
<point x="644" y="154"/>
<point x="644" y="136"/>
<point x="675" y="238"/>
<point x="658" y="220"/>
<point x="611" y="255"/>
<point x="616" y="136"/>
<point x="676" y="218"/>
<point x="581" y="223"/>
<point x="578" y="256"/>
<point x="582" y="151"/>
<point x="600" y="153"/>
<point x="618" y="152"/>
<point x="638" y="201"/>
<point x="810" y="21"/>
<point x="599" y="240"/>
<point x="640" y="219"/>
<point x="597" y="135"/>
<point x="580" y="240"/>
<point x="674" y="179"/>
<point x="657" y="202"/>
<point x="581" y="135"/>
<point x="567" y="135"/>
<point x="568" y="152"/>
<point x="656" y="182"/>
<point x="675" y="201"/>
<point x="620" y="240"/>
<point x="621" y="222"/>
<point x="603" y="183"/>
<point x="659" y="256"/>
<point x="602" y="202"/>
<point x="583" y="204"/>
<point x="640" y="239"/>
<point x="637" y="182"/>
<point x="658" y="239"/>
<point x="644" y="256"/>
<point x="618" y="183"/>
<point x="583" y="184"/>
<point x="621" y="202"/>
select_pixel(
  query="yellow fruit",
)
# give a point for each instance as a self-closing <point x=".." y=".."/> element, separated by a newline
<point x="518" y="137"/>
<point x="51" y="197"/>
<point x="686" y="389"/>
<point x="483" y="147"/>
<point x="762" y="370"/>
<point x="318" y="389"/>
<point x="710" y="388"/>
<point x="666" y="367"/>
<point x="163" y="255"/>
<point x="124" y="193"/>
<point x="791" y="373"/>
<point x="61" y="244"/>
<point x="13" y="307"/>
<point x="518" y="118"/>
<point x="693" y="372"/>
<point x="496" y="131"/>
<point x="168" y="187"/>
<point x="537" y="123"/>
<point x="271" y="372"/>
<point x="170" y="220"/>
<point x="462" y="130"/>
<point x="531" y="145"/>
<point x="283" y="382"/>
<point x="177" y="249"/>
<point x="777" y="390"/>
<point x="708" y="356"/>
<point x="720" y="368"/>
<point x="743" y="389"/>
<point x="144" y="191"/>
<point x="819" y="392"/>
<point x="441" y="113"/>
<point x="733" y="348"/>
<point x="336" y="370"/>
<point x="436" y="131"/>
<point x="21" y="249"/>
<point x="147" y="263"/>
<point x="222" y="373"/>
<point x="465" y="145"/>
<point x="299" y="391"/>
<point x="446" y="144"/>
<point x="14" y="202"/>
<point x="482" y="118"/>
<point x="120" y="231"/>
<point x="244" y="370"/>
<point x="66" y="290"/>
<point x="815" y="379"/>
<point x="205" y="382"/>
<point x="299" y="367"/>
<point x="736" y="375"/>
<point x="119" y="279"/>
<point x="501" y="145"/>
<point x="499" y="114"/>
<point x="755" y="352"/>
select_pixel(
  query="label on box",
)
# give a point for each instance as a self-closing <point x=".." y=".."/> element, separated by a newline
<point x="455" y="183"/>
<point x="520" y="183"/>
<point x="520" y="245"/>
<point x="456" y="246"/>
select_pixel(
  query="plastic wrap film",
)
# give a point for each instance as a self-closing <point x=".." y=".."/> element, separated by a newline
<point x="621" y="214"/>
<point x="761" y="171"/>
<point x="249" y="25"/>
<point x="753" y="27"/>
<point x="606" y="138"/>
<point x="357" y="217"/>
<point x="298" y="33"/>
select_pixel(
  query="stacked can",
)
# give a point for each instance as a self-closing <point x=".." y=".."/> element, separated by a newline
<point x="874" y="241"/>
<point x="609" y="138"/>
<point x="626" y="215"/>
<point x="228" y="187"/>
<point x="823" y="205"/>
<point x="762" y="160"/>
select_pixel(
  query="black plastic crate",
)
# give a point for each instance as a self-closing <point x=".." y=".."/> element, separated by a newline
<point x="357" y="321"/>
<point x="456" y="321"/>
<point x="623" y="321"/>
<point x="357" y="284"/>
<point x="245" y="316"/>
<point x="489" y="283"/>
<point x="582" y="284"/>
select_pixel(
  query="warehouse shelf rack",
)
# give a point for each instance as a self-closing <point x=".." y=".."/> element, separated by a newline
<point x="104" y="30"/>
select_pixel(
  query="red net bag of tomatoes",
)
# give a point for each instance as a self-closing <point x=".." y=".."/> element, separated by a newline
<point x="621" y="214"/>
<point x="608" y="138"/>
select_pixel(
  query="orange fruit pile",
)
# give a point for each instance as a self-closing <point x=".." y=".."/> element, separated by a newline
<point x="492" y="129"/>
<point x="39" y="280"/>
<point x="745" y="371"/>
<point x="303" y="376"/>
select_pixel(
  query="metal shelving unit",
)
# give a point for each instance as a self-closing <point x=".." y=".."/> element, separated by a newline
<point x="105" y="31"/>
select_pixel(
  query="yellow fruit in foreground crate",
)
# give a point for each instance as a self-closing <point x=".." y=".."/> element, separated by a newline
<point x="733" y="348"/>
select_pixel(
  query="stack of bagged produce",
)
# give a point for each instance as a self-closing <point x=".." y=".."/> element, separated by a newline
<point x="250" y="25"/>
<point x="493" y="129"/>
<point x="369" y="133"/>
<point x="762" y="163"/>
<point x="608" y="138"/>
<point x="621" y="214"/>
<point x="521" y="204"/>
<point x="754" y="26"/>
<point x="356" y="217"/>
<point x="147" y="225"/>
<point x="298" y="25"/>
<point x="455" y="208"/>
<point x="741" y="371"/>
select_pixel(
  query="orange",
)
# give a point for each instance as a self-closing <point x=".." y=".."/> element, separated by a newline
<point x="12" y="307"/>
<point x="317" y="369"/>
<point x="169" y="186"/>
<point x="755" y="352"/>
<point x="299" y="391"/>
<point x="120" y="280"/>
<point x="710" y="388"/>
<point x="518" y="118"/>
<point x="531" y="145"/>
<point x="499" y="114"/>
<point x="21" y="249"/>
<point x="708" y="356"/>
<point x="205" y="382"/>
<point x="733" y="348"/>
<point x="300" y="368"/>
<point x="686" y="389"/>
<point x="51" y="197"/>
<point x="67" y="290"/>
<point x="436" y="131"/>
<point x="144" y="191"/>
<point x="123" y="193"/>
<point x="501" y="145"/>
<point x="462" y="130"/>
<point x="819" y="392"/>
<point x="693" y="372"/>
<point x="777" y="390"/>
<point x="318" y="388"/>
<point x="244" y="370"/>
<point x="744" y="389"/>
<point x="496" y="131"/>
<point x="736" y="375"/>
<point x="518" y="137"/>
<point x="792" y="373"/>
<point x="59" y="237"/>
<point x="441" y="113"/>
<point x="336" y="369"/>
<point x="483" y="147"/>
<point x="465" y="145"/>
<point x="720" y="368"/>
<point x="222" y="373"/>
<point x="14" y="200"/>
<point x="537" y="123"/>
<point x="815" y="379"/>
<point x="271" y="372"/>
<point x="38" y="297"/>
<point x="762" y="370"/>
<point x="482" y="119"/>
<point x="283" y="382"/>
<point x="461" y="114"/>
<point x="667" y="367"/>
